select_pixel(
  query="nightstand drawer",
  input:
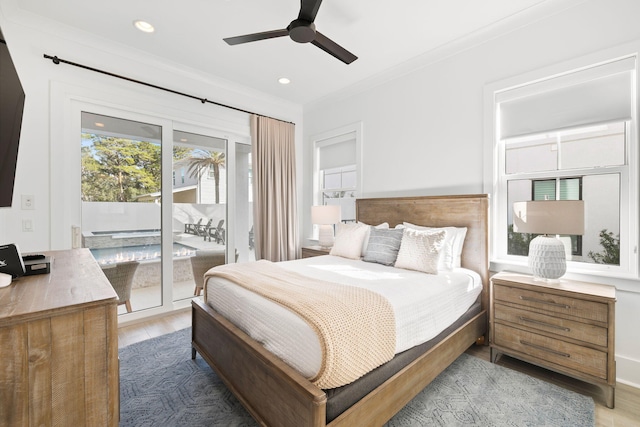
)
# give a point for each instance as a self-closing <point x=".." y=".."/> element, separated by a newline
<point x="531" y="320"/>
<point x="552" y="303"/>
<point x="571" y="356"/>
<point x="311" y="251"/>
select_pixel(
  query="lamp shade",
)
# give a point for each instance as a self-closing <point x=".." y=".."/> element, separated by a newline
<point x="325" y="215"/>
<point x="549" y="217"/>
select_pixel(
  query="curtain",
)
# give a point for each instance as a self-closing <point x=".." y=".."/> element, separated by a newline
<point x="274" y="189"/>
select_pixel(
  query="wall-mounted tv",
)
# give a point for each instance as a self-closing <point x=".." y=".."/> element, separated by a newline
<point x="11" y="108"/>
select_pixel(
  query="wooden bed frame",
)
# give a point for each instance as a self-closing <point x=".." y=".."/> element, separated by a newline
<point x="276" y="395"/>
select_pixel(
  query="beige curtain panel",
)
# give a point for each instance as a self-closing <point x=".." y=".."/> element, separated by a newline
<point x="274" y="189"/>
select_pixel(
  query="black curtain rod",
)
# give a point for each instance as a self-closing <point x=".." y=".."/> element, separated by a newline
<point x="57" y="61"/>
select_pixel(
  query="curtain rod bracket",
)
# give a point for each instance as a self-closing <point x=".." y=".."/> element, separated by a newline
<point x="53" y="59"/>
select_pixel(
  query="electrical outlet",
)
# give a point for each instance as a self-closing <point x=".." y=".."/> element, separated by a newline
<point x="28" y="202"/>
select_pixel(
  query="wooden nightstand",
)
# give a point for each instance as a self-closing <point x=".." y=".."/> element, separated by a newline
<point x="568" y="327"/>
<point x="311" y="251"/>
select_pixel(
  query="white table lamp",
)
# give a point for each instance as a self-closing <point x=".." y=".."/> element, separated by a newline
<point x="325" y="216"/>
<point x="549" y="218"/>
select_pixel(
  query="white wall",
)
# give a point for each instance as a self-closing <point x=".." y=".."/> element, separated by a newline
<point x="47" y="162"/>
<point x="423" y="131"/>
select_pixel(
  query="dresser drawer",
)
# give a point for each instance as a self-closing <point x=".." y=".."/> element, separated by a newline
<point x="532" y="320"/>
<point x="552" y="303"/>
<point x="585" y="360"/>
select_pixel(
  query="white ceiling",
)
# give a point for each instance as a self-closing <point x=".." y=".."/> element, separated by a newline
<point x="387" y="36"/>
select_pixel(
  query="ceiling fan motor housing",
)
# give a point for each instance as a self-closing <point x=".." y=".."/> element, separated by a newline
<point x="302" y="31"/>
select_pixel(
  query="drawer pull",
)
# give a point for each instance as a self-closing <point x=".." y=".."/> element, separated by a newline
<point x="541" y="301"/>
<point x="539" y="347"/>
<point x="549" y="325"/>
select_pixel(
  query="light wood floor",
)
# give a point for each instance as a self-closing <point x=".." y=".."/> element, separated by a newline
<point x="625" y="414"/>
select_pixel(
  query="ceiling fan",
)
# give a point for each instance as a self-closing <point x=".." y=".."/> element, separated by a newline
<point x="301" y="30"/>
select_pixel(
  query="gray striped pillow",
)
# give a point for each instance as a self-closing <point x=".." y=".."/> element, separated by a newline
<point x="383" y="246"/>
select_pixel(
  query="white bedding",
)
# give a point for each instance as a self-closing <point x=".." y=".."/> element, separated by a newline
<point x="424" y="305"/>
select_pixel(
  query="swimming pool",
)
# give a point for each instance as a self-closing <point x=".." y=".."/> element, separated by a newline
<point x="138" y="253"/>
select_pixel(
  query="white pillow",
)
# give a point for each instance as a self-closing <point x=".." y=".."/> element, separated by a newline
<point x="382" y="226"/>
<point x="451" y="251"/>
<point x="349" y="240"/>
<point x="420" y="250"/>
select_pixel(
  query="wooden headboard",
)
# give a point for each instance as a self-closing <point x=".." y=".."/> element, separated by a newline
<point x="471" y="211"/>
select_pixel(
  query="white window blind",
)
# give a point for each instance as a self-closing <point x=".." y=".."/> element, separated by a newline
<point x="338" y="153"/>
<point x="595" y="95"/>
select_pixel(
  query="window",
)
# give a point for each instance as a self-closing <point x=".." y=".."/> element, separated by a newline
<point x="337" y="170"/>
<point x="570" y="137"/>
<point x="561" y="189"/>
<point x="339" y="188"/>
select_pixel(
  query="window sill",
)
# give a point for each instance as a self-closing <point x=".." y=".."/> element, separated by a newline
<point x="622" y="281"/>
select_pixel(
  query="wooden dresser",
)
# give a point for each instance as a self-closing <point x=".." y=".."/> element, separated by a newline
<point x="311" y="251"/>
<point x="59" y="346"/>
<point x="568" y="326"/>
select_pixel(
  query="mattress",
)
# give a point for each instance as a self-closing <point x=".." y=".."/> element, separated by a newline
<point x="424" y="305"/>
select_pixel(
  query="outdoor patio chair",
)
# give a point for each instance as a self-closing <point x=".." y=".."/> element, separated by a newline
<point x="201" y="262"/>
<point x="203" y="230"/>
<point x="120" y="276"/>
<point x="192" y="228"/>
<point x="217" y="233"/>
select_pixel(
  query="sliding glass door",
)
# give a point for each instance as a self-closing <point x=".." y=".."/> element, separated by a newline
<point x="200" y="199"/>
<point x="121" y="171"/>
<point x="244" y="242"/>
<point x="128" y="166"/>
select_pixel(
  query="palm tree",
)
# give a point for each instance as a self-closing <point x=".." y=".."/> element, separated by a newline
<point x="201" y="160"/>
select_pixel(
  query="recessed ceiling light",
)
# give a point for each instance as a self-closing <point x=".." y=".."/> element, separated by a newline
<point x="144" y="26"/>
<point x="183" y="139"/>
<point x="98" y="124"/>
<point x="284" y="81"/>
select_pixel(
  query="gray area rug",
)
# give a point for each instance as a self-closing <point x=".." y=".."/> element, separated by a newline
<point x="161" y="386"/>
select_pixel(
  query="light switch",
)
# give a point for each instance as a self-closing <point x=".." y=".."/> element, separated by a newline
<point x="27" y="225"/>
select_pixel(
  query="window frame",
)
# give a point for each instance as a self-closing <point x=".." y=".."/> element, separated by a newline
<point x="495" y="181"/>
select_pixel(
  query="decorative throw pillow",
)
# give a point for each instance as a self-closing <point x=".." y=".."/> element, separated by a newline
<point x="366" y="238"/>
<point x="349" y="240"/>
<point x="383" y="246"/>
<point x="420" y="250"/>
<point x="451" y="251"/>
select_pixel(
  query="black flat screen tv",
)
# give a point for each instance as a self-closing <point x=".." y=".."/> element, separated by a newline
<point x="11" y="108"/>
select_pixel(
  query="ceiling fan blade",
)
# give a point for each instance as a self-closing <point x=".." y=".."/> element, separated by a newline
<point x="309" y="9"/>
<point x="256" y="36"/>
<point x="332" y="48"/>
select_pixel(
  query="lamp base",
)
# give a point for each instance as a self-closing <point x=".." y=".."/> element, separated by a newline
<point x="325" y="236"/>
<point x="547" y="258"/>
